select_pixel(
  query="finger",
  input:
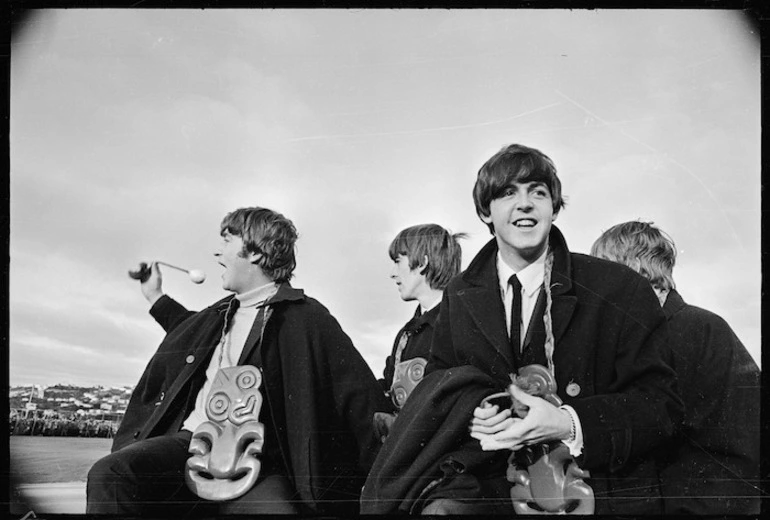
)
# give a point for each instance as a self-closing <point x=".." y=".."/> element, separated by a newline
<point x="490" y="444"/>
<point x="492" y="420"/>
<point x="486" y="411"/>
<point x="478" y="435"/>
<point x="518" y="430"/>
<point x="522" y="396"/>
<point x="491" y="429"/>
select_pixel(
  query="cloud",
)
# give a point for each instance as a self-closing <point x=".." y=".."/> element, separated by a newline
<point x="134" y="131"/>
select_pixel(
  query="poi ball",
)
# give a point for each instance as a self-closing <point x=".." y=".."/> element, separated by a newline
<point x="197" y="276"/>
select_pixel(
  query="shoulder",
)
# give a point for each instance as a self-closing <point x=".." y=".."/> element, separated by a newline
<point x="305" y="308"/>
<point x="614" y="289"/>
<point x="591" y="266"/>
<point x="692" y="316"/>
<point x="452" y="292"/>
<point x="603" y="276"/>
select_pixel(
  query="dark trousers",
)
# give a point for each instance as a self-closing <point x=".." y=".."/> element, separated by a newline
<point x="146" y="478"/>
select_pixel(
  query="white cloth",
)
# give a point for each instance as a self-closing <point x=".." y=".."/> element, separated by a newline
<point x="230" y="347"/>
<point x="531" y="279"/>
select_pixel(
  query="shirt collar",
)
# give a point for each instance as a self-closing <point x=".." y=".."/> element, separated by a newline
<point x="256" y="296"/>
<point x="531" y="277"/>
<point x="423" y="310"/>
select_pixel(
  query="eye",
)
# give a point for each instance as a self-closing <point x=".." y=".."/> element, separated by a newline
<point x="540" y="192"/>
<point x="508" y="192"/>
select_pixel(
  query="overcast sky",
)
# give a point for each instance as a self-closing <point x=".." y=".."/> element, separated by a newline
<point x="133" y="132"/>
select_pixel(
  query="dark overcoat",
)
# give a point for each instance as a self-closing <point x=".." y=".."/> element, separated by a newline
<point x="610" y="340"/>
<point x="321" y="392"/>
<point x="429" y="446"/>
<point x="420" y="332"/>
<point x="712" y="466"/>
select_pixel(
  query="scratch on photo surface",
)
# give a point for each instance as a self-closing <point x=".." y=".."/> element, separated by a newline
<point x="424" y="130"/>
<point x="662" y="155"/>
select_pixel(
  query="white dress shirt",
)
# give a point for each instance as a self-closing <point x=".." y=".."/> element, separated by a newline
<point x="230" y="347"/>
<point x="531" y="279"/>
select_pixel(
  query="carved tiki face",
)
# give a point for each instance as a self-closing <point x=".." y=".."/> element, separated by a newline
<point x="224" y="449"/>
<point x="407" y="375"/>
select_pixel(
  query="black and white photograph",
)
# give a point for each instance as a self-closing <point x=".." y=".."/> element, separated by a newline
<point x="330" y="262"/>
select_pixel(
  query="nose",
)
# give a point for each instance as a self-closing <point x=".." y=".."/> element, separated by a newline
<point x="523" y="201"/>
<point x="393" y="272"/>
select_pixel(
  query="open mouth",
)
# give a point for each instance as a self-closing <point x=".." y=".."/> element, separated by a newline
<point x="525" y="223"/>
<point x="209" y="487"/>
<point x="232" y="478"/>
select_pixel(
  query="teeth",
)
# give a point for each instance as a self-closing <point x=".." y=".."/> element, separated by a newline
<point x="526" y="223"/>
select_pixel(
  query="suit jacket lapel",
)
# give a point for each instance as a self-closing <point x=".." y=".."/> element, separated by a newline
<point x="561" y="313"/>
<point x="486" y="309"/>
<point x="562" y="293"/>
<point x="255" y="335"/>
<point x="483" y="301"/>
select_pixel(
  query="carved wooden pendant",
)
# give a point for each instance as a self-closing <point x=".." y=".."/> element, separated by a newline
<point x="224" y="463"/>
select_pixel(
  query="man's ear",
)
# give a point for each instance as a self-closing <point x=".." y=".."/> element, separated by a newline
<point x="255" y="258"/>
<point x="423" y="265"/>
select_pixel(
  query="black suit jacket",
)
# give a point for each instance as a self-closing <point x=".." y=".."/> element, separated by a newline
<point x="712" y="466"/>
<point x="610" y="338"/>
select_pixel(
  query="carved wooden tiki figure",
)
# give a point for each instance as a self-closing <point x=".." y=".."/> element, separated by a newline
<point x="224" y="463"/>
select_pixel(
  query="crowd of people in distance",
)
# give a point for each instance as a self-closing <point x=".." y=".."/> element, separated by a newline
<point x="58" y="426"/>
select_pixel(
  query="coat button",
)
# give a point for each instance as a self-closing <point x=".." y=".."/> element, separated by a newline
<point x="573" y="389"/>
<point x="136" y="434"/>
<point x="190" y="359"/>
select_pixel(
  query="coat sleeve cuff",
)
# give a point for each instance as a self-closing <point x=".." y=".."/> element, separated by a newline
<point x="161" y="306"/>
<point x="575" y="442"/>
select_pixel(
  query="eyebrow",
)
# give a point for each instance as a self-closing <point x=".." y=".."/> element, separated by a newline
<point x="527" y="184"/>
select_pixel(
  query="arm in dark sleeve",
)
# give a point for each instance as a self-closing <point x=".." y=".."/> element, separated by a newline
<point x="169" y="313"/>
<point x="357" y="394"/>
<point x="441" y="350"/>
<point x="720" y="385"/>
<point x="641" y="407"/>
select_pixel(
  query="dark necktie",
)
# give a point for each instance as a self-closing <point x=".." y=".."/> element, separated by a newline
<point x="515" y="314"/>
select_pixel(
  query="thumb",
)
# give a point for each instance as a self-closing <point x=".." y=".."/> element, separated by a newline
<point x="522" y="396"/>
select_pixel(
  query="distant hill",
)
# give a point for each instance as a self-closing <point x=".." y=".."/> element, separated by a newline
<point x="70" y="400"/>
